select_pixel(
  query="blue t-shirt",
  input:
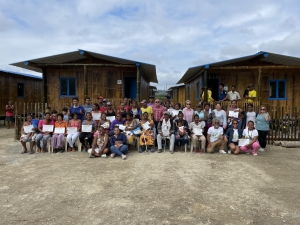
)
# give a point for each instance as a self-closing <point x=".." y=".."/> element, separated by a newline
<point x="77" y="111"/>
<point x="261" y="123"/>
<point x="222" y="95"/>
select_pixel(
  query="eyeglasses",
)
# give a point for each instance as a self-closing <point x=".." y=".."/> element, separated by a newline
<point x="187" y="103"/>
<point x="157" y="102"/>
<point x="217" y="123"/>
<point x="262" y="109"/>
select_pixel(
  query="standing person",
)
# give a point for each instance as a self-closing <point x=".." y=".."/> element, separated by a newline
<point x="236" y="110"/>
<point x="188" y="112"/>
<point x="135" y="109"/>
<point x="100" y="145"/>
<point x="197" y="129"/>
<point x="209" y="95"/>
<point x="251" y="134"/>
<point x="222" y="93"/>
<point x="147" y="109"/>
<point x="165" y="129"/>
<point x="28" y="137"/>
<point x="43" y="135"/>
<point x="147" y="136"/>
<point x="232" y="136"/>
<point x="71" y="138"/>
<point x="104" y="104"/>
<point x="215" y="138"/>
<point x="76" y="108"/>
<point x="251" y="94"/>
<point x="262" y="126"/>
<point x="9" y="114"/>
<point x="88" y="107"/>
<point x="158" y="112"/>
<point x="246" y="92"/>
<point x="221" y="116"/>
<point x="88" y="135"/>
<point x="100" y="100"/>
<point x="209" y="115"/>
<point x="64" y="111"/>
<point x="169" y="107"/>
<point x="118" y="144"/>
<point x="57" y="140"/>
<point x="122" y="110"/>
<point x="151" y="101"/>
<point x="249" y="115"/>
<point x="109" y="110"/>
<point x="96" y="110"/>
<point x="200" y="113"/>
<point x="175" y="112"/>
<point x="105" y="123"/>
<point x="233" y="94"/>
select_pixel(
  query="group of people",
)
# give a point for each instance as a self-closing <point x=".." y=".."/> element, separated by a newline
<point x="153" y="123"/>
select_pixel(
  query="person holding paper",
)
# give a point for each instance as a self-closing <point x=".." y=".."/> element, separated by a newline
<point x="233" y="112"/>
<point x="117" y="121"/>
<point x="105" y="123"/>
<point x="215" y="137"/>
<point x="181" y="136"/>
<point x="28" y="134"/>
<point x="221" y="115"/>
<point x="249" y="115"/>
<point x="130" y="124"/>
<point x="165" y="129"/>
<point x="71" y="138"/>
<point x="96" y="113"/>
<point x="100" y="145"/>
<point x="87" y="134"/>
<point x="197" y="128"/>
<point x="147" y="137"/>
<point x="251" y="134"/>
<point x="58" y="137"/>
<point x="122" y="110"/>
<point x="232" y="136"/>
<point x="43" y="135"/>
<point x="118" y="144"/>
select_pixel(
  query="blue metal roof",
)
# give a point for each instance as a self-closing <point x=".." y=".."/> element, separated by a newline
<point x="22" y="74"/>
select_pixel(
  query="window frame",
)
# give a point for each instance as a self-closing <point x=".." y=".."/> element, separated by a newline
<point x="23" y="90"/>
<point x="277" y="92"/>
<point x="68" y="87"/>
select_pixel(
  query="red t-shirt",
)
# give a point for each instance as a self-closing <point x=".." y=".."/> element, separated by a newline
<point x="9" y="112"/>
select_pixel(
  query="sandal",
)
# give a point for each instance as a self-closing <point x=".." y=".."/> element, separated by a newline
<point x="23" y="152"/>
<point x="31" y="152"/>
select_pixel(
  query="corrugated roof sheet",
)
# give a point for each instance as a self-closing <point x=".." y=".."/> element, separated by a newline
<point x="22" y="74"/>
<point x="149" y="71"/>
<point x="271" y="58"/>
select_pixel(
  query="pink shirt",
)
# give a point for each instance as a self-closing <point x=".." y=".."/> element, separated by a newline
<point x="188" y="114"/>
<point x="9" y="112"/>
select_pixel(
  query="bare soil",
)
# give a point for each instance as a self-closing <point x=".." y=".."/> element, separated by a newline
<point x="148" y="188"/>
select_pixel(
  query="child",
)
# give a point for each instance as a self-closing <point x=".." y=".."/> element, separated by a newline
<point x="66" y="115"/>
<point x="181" y="134"/>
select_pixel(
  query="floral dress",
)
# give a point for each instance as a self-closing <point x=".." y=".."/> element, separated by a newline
<point x="147" y="136"/>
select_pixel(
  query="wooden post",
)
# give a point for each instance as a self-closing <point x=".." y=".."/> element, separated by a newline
<point x="205" y="86"/>
<point x="85" y="89"/>
<point x="44" y="85"/>
<point x="138" y="83"/>
<point x="259" y="86"/>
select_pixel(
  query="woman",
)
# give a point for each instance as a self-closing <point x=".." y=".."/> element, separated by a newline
<point x="100" y="144"/>
<point x="71" y="138"/>
<point x="105" y="123"/>
<point x="43" y="136"/>
<point x="251" y="134"/>
<point x="109" y="110"/>
<point x="221" y="115"/>
<point x="28" y="137"/>
<point x="249" y="115"/>
<point x="232" y="136"/>
<point x="117" y="121"/>
<point x="135" y="109"/>
<point x="122" y="110"/>
<point x="262" y="126"/>
<point x="175" y="111"/>
<point x="130" y="125"/>
<point x="209" y="115"/>
<point x="147" y="137"/>
<point x="182" y="134"/>
<point x="197" y="128"/>
<point x="233" y="112"/>
<point x="188" y="112"/>
<point x="118" y="144"/>
<point x="200" y="113"/>
<point x="57" y="140"/>
<point x="168" y="107"/>
<point x="87" y="135"/>
<point x="96" y="110"/>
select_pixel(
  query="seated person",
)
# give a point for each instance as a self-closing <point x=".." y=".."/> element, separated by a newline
<point x="183" y="135"/>
<point x="100" y="145"/>
<point x="57" y="140"/>
<point x="197" y="129"/>
<point x="87" y="135"/>
<point x="105" y="123"/>
<point x="147" y="136"/>
<point x="251" y="134"/>
<point x="215" y="137"/>
<point x="28" y="137"/>
<point x="165" y="130"/>
<point x="117" y="121"/>
<point x="232" y="136"/>
<point x="43" y="136"/>
<point x="130" y="125"/>
<point x="118" y="144"/>
<point x="71" y="138"/>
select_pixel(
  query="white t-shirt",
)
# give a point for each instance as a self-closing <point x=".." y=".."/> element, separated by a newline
<point x="215" y="133"/>
<point x="235" y="136"/>
<point x="250" y="134"/>
<point x="251" y="116"/>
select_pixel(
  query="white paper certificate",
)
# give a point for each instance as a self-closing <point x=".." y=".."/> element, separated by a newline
<point x="28" y="129"/>
<point x="146" y="126"/>
<point x="197" y="131"/>
<point x="243" y="142"/>
<point x="181" y="129"/>
<point x="86" y="128"/>
<point x="233" y="114"/>
<point x="122" y="127"/>
<point x="137" y="120"/>
<point x="59" y="130"/>
<point x="111" y="118"/>
<point x="47" y="128"/>
<point x="96" y="116"/>
<point x="72" y="130"/>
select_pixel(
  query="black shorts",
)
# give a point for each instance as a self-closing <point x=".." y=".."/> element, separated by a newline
<point x="9" y="118"/>
<point x="235" y="143"/>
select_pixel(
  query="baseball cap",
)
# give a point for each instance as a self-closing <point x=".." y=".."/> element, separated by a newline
<point x="144" y="101"/>
<point x="108" y="103"/>
<point x="105" y="100"/>
<point x="166" y="113"/>
<point x="151" y="96"/>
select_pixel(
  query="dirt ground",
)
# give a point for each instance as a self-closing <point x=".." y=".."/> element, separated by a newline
<point x="148" y="188"/>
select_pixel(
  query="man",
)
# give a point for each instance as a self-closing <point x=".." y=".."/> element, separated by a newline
<point x="158" y="112"/>
<point x="146" y="108"/>
<point x="251" y="94"/>
<point x="246" y="92"/>
<point x="167" y="98"/>
<point x="100" y="100"/>
<point x="76" y="108"/>
<point x="151" y="101"/>
<point x="215" y="137"/>
<point x="222" y="93"/>
<point x="104" y="103"/>
<point x="88" y="107"/>
<point x="165" y="130"/>
<point x="9" y="114"/>
<point x="233" y="95"/>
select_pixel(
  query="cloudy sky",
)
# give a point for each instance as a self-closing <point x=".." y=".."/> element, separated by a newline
<point x="174" y="35"/>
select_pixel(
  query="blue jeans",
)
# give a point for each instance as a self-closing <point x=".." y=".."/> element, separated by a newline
<point x="44" y="139"/>
<point x="183" y="140"/>
<point x="122" y="151"/>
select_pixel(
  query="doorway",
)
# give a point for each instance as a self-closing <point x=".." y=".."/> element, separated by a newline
<point x="214" y="85"/>
<point x="130" y="87"/>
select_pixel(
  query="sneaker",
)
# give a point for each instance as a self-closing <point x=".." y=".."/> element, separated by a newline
<point x="103" y="156"/>
<point x="254" y="154"/>
<point x="112" y="155"/>
<point x="222" y="151"/>
<point x="261" y="149"/>
<point x="229" y="152"/>
<point x="123" y="157"/>
<point x="159" y="151"/>
<point x="91" y="156"/>
<point x="84" y="150"/>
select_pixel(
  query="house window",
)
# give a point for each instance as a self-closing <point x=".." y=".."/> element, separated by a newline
<point x="188" y="93"/>
<point x="21" y="90"/>
<point x="277" y="89"/>
<point x="197" y="90"/>
<point x="67" y="87"/>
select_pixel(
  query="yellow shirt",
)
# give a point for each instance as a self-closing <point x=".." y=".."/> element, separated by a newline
<point x="209" y="98"/>
<point x="251" y="94"/>
<point x="149" y="111"/>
